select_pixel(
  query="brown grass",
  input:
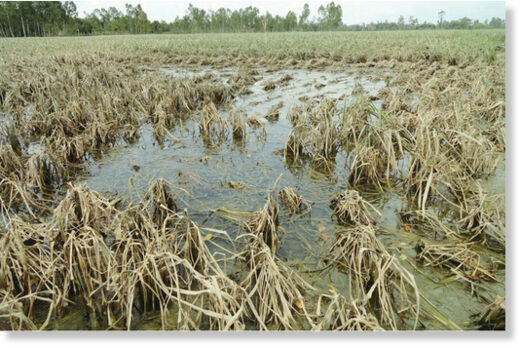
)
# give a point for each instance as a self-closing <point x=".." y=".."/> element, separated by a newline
<point x="293" y="201"/>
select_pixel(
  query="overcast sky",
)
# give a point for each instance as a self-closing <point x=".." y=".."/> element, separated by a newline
<point x="354" y="12"/>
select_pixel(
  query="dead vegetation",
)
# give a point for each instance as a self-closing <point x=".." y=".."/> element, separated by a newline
<point x="117" y="263"/>
<point x="341" y="315"/>
<point x="238" y="126"/>
<point x="436" y="140"/>
<point x="493" y="316"/>
<point x="264" y="224"/>
<point x="458" y="258"/>
<point x="213" y="127"/>
<point x="376" y="277"/>
<point x="273" y="114"/>
<point x="276" y="292"/>
<point x="294" y="202"/>
<point x="244" y="78"/>
<point x="366" y="166"/>
<point x="351" y="209"/>
<point x="269" y="85"/>
<point x="314" y="136"/>
<point x="88" y="106"/>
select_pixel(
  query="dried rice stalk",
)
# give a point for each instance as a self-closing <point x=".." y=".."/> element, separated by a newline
<point x="376" y="277"/>
<point x="293" y="201"/>
<point x="350" y="208"/>
<point x="458" y="258"/>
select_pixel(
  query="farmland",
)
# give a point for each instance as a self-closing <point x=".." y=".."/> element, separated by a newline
<point x="277" y="181"/>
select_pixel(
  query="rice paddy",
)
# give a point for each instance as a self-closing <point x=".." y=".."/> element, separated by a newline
<point x="292" y="181"/>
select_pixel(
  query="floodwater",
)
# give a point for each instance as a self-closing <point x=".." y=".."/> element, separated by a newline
<point x="253" y="167"/>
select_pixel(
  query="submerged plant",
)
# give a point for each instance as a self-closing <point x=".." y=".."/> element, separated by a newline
<point x="264" y="224"/>
<point x="115" y="263"/>
<point x="159" y="201"/>
<point x="213" y="127"/>
<point x="366" y="166"/>
<point x="314" y="136"/>
<point x="482" y="217"/>
<point x="376" y="277"/>
<point x="275" y="292"/>
<point x="493" y="316"/>
<point x="350" y="208"/>
<point x="238" y="126"/>
<point x="436" y="133"/>
<point x="458" y="258"/>
<point x="274" y="112"/>
<point x="269" y="85"/>
<point x="293" y="201"/>
<point x="341" y="315"/>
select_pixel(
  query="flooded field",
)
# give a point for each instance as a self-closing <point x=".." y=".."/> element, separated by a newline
<point x="237" y="176"/>
<point x="359" y="196"/>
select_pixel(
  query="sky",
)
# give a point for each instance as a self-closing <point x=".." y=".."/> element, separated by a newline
<point x="354" y="12"/>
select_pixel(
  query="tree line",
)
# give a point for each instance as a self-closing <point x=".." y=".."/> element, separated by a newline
<point x="48" y="18"/>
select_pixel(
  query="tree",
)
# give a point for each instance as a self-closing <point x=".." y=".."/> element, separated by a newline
<point x="304" y="17"/>
<point x="250" y="19"/>
<point x="70" y="8"/>
<point x="291" y="21"/>
<point x="413" y="22"/>
<point x="400" y="22"/>
<point x="41" y="18"/>
<point x="220" y="19"/>
<point x="330" y="16"/>
<point x="441" y="17"/>
<point x="496" y="22"/>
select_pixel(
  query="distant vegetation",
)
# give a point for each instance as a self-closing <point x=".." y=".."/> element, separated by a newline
<point x="41" y="18"/>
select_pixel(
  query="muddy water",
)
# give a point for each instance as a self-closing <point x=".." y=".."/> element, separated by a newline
<point x="206" y="171"/>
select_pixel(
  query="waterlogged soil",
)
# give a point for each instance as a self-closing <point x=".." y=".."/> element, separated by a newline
<point x="237" y="176"/>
